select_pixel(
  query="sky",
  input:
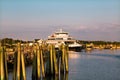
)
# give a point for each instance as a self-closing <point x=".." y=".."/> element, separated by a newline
<point x="83" y="19"/>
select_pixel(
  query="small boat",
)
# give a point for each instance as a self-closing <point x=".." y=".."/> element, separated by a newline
<point x="62" y="37"/>
<point x="89" y="47"/>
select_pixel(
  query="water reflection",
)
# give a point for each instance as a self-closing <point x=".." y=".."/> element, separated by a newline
<point x="74" y="55"/>
<point x="97" y="65"/>
<point x="57" y="77"/>
<point x="61" y="76"/>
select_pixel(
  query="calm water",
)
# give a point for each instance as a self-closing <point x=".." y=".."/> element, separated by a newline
<point x="94" y="65"/>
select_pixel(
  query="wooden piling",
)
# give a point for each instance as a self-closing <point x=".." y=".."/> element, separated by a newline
<point x="18" y="62"/>
<point x="3" y="63"/>
<point x="23" y="66"/>
<point x="62" y="67"/>
<point x="48" y="63"/>
<point x="66" y="58"/>
<point x="2" y="75"/>
<point x="15" y="66"/>
<point x="34" y="63"/>
<point x="51" y="59"/>
<point x="19" y="72"/>
<point x="38" y="63"/>
<point x="55" y="60"/>
<point x="42" y="62"/>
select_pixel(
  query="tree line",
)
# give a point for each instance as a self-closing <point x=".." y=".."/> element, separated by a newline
<point x="10" y="41"/>
<point x="99" y="42"/>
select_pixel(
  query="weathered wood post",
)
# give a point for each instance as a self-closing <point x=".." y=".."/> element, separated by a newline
<point x="38" y="63"/>
<point x="51" y="60"/>
<point x="34" y="63"/>
<point x="62" y="66"/>
<point x="64" y="76"/>
<point x="19" y="72"/>
<point x="3" y="64"/>
<point x="55" y="66"/>
<point x="48" y="66"/>
<point x="64" y="58"/>
<point x="23" y="65"/>
<point x="42" y="62"/>
<point x="52" y="66"/>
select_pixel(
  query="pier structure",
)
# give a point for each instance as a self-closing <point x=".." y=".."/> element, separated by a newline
<point x="46" y="61"/>
<point x="49" y="62"/>
<point x="38" y="63"/>
<point x="3" y="64"/>
<point x="19" y="72"/>
<point x="64" y="58"/>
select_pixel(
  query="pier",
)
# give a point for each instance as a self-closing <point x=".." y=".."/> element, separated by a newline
<point x="44" y="58"/>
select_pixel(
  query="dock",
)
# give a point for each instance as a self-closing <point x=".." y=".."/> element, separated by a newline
<point x="44" y="58"/>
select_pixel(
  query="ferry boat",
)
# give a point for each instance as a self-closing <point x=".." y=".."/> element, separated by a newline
<point x="60" y="37"/>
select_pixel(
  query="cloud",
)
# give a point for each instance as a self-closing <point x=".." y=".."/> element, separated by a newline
<point x="106" y="31"/>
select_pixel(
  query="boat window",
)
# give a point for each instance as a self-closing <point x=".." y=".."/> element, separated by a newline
<point x="61" y="33"/>
<point x="69" y="38"/>
<point x="51" y="39"/>
<point x="59" y="38"/>
<point x="69" y="42"/>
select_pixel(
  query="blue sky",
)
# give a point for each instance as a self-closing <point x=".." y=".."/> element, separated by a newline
<point x="83" y="19"/>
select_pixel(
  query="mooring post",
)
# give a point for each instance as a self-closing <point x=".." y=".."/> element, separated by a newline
<point x="64" y="76"/>
<point x="15" y="65"/>
<point x="34" y="63"/>
<point x="62" y="66"/>
<point x="55" y="60"/>
<point x="18" y="61"/>
<point x="48" y="66"/>
<point x="19" y="65"/>
<point x="42" y="62"/>
<point x="38" y="62"/>
<point x="66" y="58"/>
<point x="51" y="60"/>
<point x="3" y="64"/>
<point x="49" y="63"/>
<point x="23" y="65"/>
<point x="2" y="72"/>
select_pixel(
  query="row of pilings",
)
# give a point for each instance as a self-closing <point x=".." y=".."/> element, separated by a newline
<point x="47" y="61"/>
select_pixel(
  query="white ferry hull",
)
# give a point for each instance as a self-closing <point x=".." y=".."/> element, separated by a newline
<point x="62" y="37"/>
<point x="77" y="49"/>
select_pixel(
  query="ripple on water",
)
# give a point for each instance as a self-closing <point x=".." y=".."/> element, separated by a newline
<point x="96" y="65"/>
